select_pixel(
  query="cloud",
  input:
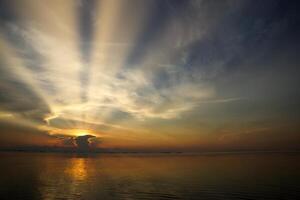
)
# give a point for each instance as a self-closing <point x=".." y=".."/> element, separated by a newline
<point x="68" y="141"/>
<point x="19" y="98"/>
<point x="83" y="142"/>
<point x="14" y="134"/>
<point x="157" y="86"/>
<point x="112" y="66"/>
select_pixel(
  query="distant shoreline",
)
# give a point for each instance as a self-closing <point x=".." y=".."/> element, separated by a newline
<point x="148" y="152"/>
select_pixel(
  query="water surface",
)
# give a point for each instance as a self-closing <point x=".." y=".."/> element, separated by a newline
<point x="136" y="176"/>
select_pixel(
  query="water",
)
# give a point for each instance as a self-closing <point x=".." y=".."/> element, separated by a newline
<point x="124" y="176"/>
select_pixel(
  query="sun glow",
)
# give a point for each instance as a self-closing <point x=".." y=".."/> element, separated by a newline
<point x="72" y="132"/>
<point x="81" y="132"/>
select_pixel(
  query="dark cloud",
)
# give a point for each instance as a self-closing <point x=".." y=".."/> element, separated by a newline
<point x="68" y="141"/>
<point x="18" y="98"/>
<point x="83" y="142"/>
<point x="95" y="142"/>
<point x="16" y="135"/>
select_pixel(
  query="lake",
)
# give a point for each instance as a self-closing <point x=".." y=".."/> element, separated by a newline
<point x="149" y="176"/>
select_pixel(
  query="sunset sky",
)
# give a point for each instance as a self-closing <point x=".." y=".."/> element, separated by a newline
<point x="157" y="75"/>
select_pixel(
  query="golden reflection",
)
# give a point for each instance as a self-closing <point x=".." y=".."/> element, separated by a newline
<point x="78" y="169"/>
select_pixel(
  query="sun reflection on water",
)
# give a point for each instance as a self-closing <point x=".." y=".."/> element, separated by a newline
<point x="78" y="169"/>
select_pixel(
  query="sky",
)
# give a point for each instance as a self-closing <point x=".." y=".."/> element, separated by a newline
<point x="155" y="75"/>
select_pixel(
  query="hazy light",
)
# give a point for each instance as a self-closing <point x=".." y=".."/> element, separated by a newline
<point x="80" y="132"/>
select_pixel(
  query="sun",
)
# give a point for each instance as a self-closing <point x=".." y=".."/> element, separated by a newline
<point x="73" y="132"/>
<point x="81" y="132"/>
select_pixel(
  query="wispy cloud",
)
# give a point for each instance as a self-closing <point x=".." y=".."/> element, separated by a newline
<point x="110" y="65"/>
